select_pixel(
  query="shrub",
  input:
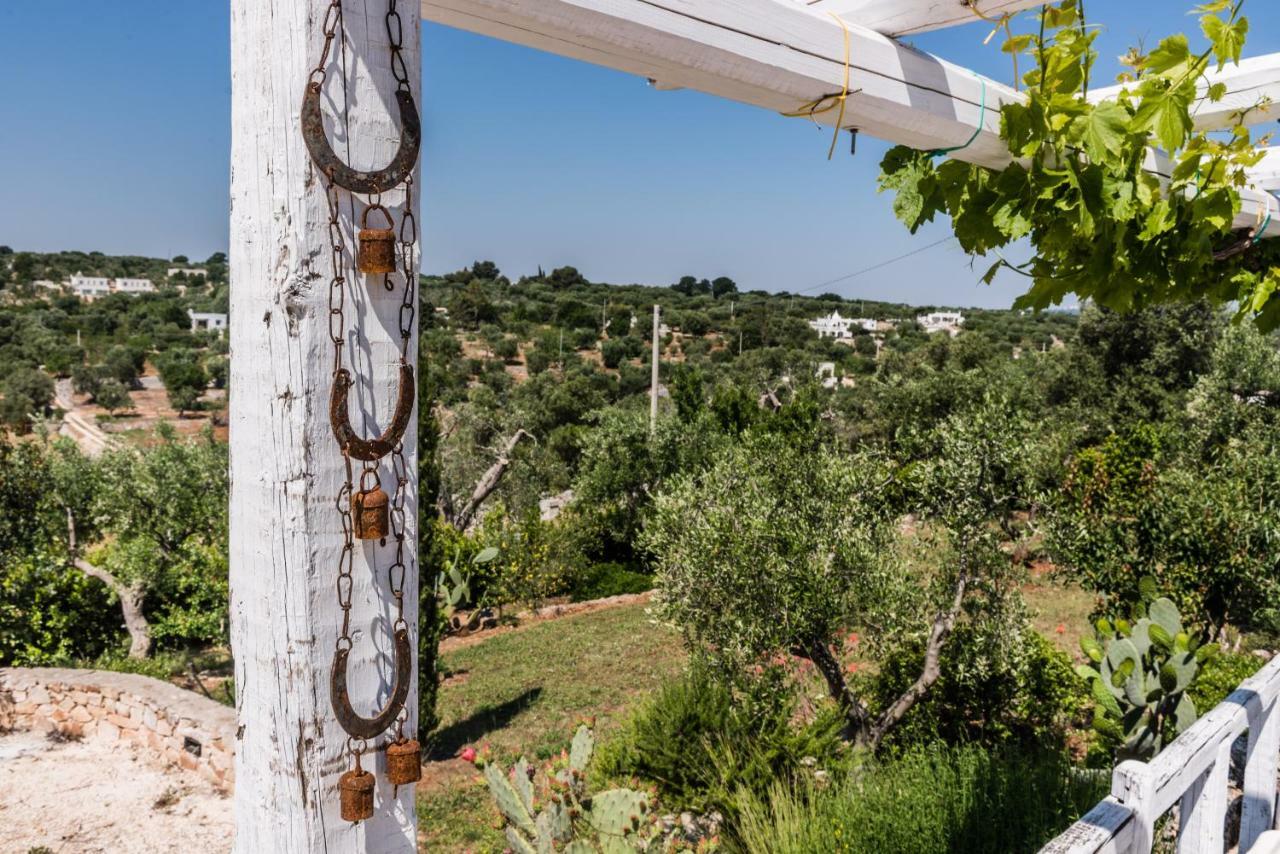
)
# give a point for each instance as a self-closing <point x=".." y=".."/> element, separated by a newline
<point x="701" y="743"/>
<point x="1029" y="696"/>
<point x="506" y="348"/>
<point x="1221" y="675"/>
<point x="609" y="579"/>
<point x="934" y="800"/>
<point x="614" y="351"/>
<point x="50" y="614"/>
<point x="1203" y="529"/>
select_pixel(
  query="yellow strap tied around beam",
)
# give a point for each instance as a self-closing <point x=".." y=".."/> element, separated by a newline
<point x="834" y="101"/>
<point x="1004" y="22"/>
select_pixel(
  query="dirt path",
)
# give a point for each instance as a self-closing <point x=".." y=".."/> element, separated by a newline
<point x="81" y="430"/>
<point x="86" y="797"/>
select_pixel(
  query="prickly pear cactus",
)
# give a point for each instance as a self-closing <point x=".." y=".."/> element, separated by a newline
<point x="570" y="819"/>
<point x="1139" y="673"/>
<point x="453" y="587"/>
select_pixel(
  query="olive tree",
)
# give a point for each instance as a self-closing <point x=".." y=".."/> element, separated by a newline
<point x="149" y="524"/>
<point x="781" y="548"/>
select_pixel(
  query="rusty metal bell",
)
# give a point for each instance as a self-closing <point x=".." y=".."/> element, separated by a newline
<point x="377" y="252"/>
<point x="404" y="762"/>
<point x="356" y="790"/>
<point x="369" y="511"/>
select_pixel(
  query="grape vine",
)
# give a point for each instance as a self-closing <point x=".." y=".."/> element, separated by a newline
<point x="1100" y="224"/>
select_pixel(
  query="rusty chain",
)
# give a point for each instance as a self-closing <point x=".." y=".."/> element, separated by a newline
<point x="338" y="253"/>
<point x="332" y="22"/>
<point x="395" y="35"/>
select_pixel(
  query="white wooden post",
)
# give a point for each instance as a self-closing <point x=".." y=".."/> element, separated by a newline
<point x="1133" y="784"/>
<point x="285" y="465"/>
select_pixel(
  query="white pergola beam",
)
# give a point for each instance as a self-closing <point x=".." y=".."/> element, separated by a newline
<point x="1266" y="175"/>
<point x="908" y="17"/>
<point x="770" y="54"/>
<point x="781" y="55"/>
<point x="1253" y="89"/>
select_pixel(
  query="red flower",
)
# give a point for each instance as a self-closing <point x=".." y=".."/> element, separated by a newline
<point x="1061" y="629"/>
<point x="468" y="754"/>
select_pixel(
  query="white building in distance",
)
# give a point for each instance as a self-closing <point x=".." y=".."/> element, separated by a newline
<point x="133" y="286"/>
<point x="89" y="287"/>
<point x="840" y="328"/>
<point x="941" y="321"/>
<point x="210" y="320"/>
<point x="189" y="272"/>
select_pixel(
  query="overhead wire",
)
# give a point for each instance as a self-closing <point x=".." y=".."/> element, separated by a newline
<point x="879" y="266"/>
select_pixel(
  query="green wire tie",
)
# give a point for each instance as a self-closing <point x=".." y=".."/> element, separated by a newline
<point x="1261" y="232"/>
<point x="982" y="118"/>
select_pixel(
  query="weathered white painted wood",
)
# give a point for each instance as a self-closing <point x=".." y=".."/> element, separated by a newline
<point x="1134" y="785"/>
<point x="285" y="466"/>
<point x="1266" y="175"/>
<point x="1151" y="789"/>
<point x="1108" y="828"/>
<point x="771" y="54"/>
<point x="1268" y="843"/>
<point x="1259" y="808"/>
<point x="1204" y="808"/>
<point x="774" y="54"/>
<point x="907" y="17"/>
<point x="1253" y="88"/>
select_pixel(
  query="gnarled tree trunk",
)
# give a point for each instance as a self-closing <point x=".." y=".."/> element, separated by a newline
<point x="131" y="596"/>
<point x="461" y="518"/>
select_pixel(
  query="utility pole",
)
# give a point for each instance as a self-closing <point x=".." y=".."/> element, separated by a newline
<point x="653" y="379"/>
<point x="286" y="467"/>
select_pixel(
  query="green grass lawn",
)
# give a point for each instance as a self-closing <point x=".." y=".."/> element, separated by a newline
<point x="1060" y="612"/>
<point x="523" y="692"/>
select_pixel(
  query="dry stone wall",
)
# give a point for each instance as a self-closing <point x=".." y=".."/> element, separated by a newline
<point x="182" y="728"/>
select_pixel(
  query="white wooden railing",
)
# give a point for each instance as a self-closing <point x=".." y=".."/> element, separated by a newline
<point x="1192" y="772"/>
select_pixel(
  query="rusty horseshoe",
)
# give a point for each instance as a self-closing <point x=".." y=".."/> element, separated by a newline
<point x="353" y="723"/>
<point x="369" y="450"/>
<point x="330" y="164"/>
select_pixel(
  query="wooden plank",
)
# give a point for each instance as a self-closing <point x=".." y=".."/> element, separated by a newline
<point x="1108" y="828"/>
<point x="1253" y="87"/>
<point x="770" y="54"/>
<point x="775" y="55"/>
<point x="1202" y="819"/>
<point x="907" y="17"/>
<point x="1261" y="760"/>
<point x="286" y="535"/>
<point x="1266" y="175"/>
<point x="1177" y="767"/>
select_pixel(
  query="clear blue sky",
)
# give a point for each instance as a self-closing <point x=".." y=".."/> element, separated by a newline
<point x="114" y="136"/>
